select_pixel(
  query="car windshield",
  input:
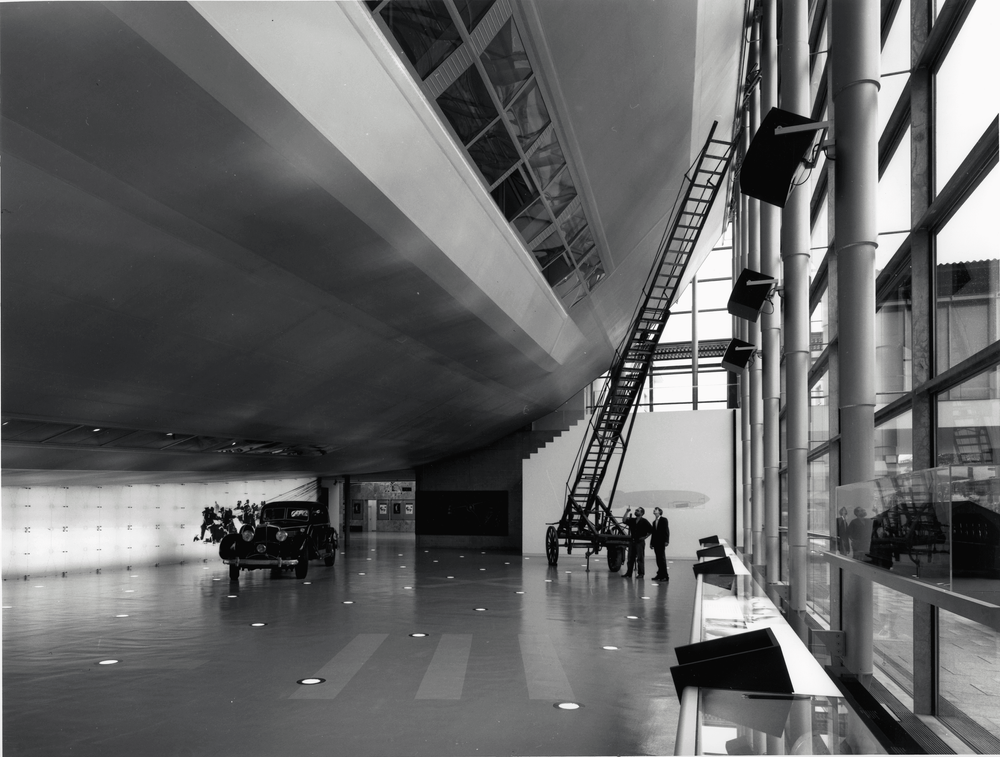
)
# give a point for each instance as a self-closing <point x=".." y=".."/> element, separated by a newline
<point x="272" y="514"/>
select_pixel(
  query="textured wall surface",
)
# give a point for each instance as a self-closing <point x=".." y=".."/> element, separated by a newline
<point x="50" y="530"/>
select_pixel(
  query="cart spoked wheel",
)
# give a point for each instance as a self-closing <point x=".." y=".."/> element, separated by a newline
<point x="552" y="545"/>
<point x="616" y="556"/>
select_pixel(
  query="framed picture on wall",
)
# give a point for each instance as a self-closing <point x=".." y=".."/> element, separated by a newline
<point x="357" y="508"/>
<point x="396" y="508"/>
<point x="409" y="509"/>
<point x="383" y="509"/>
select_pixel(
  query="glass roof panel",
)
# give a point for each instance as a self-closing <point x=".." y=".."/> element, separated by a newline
<point x="512" y="194"/>
<point x="549" y="250"/>
<point x="548" y="159"/>
<point x="494" y="152"/>
<point x="560" y="192"/>
<point x="573" y="223"/>
<point x="472" y="11"/>
<point x="528" y="115"/>
<point x="568" y="288"/>
<point x="533" y="221"/>
<point x="582" y="245"/>
<point x="557" y="269"/>
<point x="506" y="62"/>
<point x="424" y="30"/>
<point x="467" y="105"/>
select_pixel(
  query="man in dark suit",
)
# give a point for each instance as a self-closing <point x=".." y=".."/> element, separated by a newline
<point x="638" y="529"/>
<point x="659" y="540"/>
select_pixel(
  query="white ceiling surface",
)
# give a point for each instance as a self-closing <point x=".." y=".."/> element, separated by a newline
<point x="218" y="224"/>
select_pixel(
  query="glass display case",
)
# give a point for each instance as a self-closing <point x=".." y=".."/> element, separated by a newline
<point x="747" y="683"/>
<point x="940" y="526"/>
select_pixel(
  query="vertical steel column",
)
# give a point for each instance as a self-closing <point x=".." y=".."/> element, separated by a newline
<point x="756" y="376"/>
<point x="742" y="328"/>
<point x="795" y="264"/>
<point x="694" y="348"/>
<point x="925" y="616"/>
<point x="856" y="46"/>
<point x="770" y="256"/>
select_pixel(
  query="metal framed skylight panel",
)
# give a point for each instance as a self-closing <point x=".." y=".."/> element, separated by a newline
<point x="532" y="221"/>
<point x="426" y="33"/>
<point x="460" y="96"/>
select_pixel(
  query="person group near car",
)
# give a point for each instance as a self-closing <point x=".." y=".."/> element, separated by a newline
<point x="639" y="529"/>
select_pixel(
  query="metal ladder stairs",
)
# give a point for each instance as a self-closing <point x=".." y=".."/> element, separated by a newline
<point x="585" y="512"/>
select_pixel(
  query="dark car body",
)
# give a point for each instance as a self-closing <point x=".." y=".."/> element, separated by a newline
<point x="287" y="535"/>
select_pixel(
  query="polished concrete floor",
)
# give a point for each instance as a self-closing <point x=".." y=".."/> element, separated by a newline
<point x="507" y="639"/>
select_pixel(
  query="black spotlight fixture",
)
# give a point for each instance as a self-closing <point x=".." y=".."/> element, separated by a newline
<point x="737" y="355"/>
<point x="751" y="290"/>
<point x="777" y="148"/>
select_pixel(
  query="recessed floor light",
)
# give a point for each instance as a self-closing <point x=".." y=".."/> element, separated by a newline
<point x="435" y="560"/>
<point x="519" y="592"/>
<point x="418" y="635"/>
<point x="373" y="550"/>
<point x="231" y="596"/>
<point x="8" y="607"/>
<point x="426" y="551"/>
<point x="527" y="558"/>
<point x="121" y="616"/>
<point x="643" y="597"/>
<point x="569" y="571"/>
<point x="310" y="681"/>
<point x="307" y="583"/>
<point x="133" y="576"/>
<point x="610" y="649"/>
<point x="479" y="609"/>
<point x="216" y="579"/>
<point x="40" y="586"/>
<point x="461" y="555"/>
<point x="348" y="601"/>
<point x="205" y="568"/>
<point x="257" y="625"/>
<point x="506" y="563"/>
<point x="399" y="555"/>
<point x="632" y="617"/>
<point x="482" y="568"/>
<point x="127" y="591"/>
<point x="568" y="706"/>
<point x="362" y="574"/>
<point x="108" y="662"/>
<point x="402" y="566"/>
<point x="451" y="576"/>
<point x="548" y="580"/>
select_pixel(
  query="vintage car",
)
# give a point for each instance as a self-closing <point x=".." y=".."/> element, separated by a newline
<point x="287" y="535"/>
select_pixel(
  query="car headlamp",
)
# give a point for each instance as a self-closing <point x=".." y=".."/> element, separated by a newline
<point x="281" y="536"/>
<point x="247" y="533"/>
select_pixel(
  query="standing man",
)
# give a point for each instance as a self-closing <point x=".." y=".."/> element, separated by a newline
<point x="659" y="540"/>
<point x="639" y="529"/>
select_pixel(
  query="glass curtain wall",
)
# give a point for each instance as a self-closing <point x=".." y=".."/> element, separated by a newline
<point x="937" y="363"/>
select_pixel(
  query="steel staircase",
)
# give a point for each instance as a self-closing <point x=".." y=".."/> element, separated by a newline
<point x="586" y="518"/>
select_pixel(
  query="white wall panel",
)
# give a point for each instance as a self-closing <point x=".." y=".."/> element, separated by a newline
<point x="51" y="530"/>
<point x="681" y="461"/>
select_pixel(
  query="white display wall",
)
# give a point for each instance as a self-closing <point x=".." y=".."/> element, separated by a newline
<point x="680" y="461"/>
<point x="50" y="530"/>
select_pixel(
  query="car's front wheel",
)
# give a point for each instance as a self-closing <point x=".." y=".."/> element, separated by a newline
<point x="302" y="566"/>
<point x="331" y="552"/>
